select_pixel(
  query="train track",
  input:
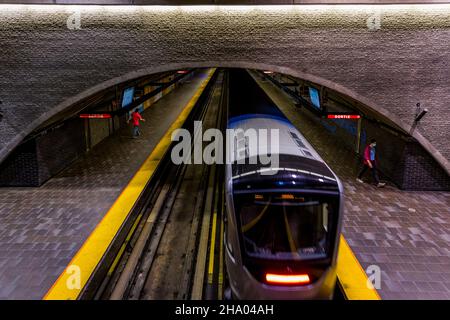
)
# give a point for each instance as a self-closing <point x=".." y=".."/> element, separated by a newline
<point x="171" y="247"/>
<point x="164" y="252"/>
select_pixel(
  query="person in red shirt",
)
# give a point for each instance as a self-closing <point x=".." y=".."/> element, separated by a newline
<point x="136" y="118"/>
<point x="369" y="161"/>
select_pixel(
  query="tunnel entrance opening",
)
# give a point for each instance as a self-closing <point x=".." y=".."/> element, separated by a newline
<point x="407" y="160"/>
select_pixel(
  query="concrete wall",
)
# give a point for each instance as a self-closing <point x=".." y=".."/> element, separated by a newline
<point x="38" y="159"/>
<point x="387" y="57"/>
<point x="214" y="2"/>
<point x="96" y="130"/>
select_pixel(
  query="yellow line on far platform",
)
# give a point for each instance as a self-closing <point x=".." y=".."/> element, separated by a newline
<point x="352" y="277"/>
<point x="72" y="280"/>
<point x="220" y="287"/>
<point x="211" y="249"/>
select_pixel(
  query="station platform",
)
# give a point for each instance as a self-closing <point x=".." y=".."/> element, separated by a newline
<point x="41" y="229"/>
<point x="406" y="234"/>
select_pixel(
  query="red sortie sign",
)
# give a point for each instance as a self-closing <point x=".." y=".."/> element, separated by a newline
<point x="95" y="116"/>
<point x="343" y="116"/>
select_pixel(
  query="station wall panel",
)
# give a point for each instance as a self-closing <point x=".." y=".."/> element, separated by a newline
<point x="57" y="149"/>
<point x="21" y="168"/>
<point x="37" y="160"/>
<point x="420" y="172"/>
<point x="99" y="130"/>
<point x="404" y="161"/>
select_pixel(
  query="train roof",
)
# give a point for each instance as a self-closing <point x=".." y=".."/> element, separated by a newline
<point x="298" y="166"/>
<point x="290" y="140"/>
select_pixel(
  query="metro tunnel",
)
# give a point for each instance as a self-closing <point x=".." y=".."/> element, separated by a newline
<point x="216" y="181"/>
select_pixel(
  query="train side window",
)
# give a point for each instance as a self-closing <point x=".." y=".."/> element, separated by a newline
<point x="309" y="154"/>
<point x="300" y="143"/>
<point x="297" y="140"/>
<point x="325" y="216"/>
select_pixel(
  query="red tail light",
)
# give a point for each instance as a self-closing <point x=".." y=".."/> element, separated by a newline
<point x="287" y="279"/>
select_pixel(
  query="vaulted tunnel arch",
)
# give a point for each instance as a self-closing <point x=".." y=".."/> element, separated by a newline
<point x="297" y="72"/>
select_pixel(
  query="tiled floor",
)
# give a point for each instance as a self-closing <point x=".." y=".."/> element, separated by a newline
<point x="41" y="229"/>
<point x="406" y="234"/>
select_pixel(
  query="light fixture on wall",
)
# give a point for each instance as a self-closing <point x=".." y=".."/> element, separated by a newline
<point x="420" y="112"/>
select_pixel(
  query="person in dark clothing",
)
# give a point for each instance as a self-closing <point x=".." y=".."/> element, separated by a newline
<point x="369" y="161"/>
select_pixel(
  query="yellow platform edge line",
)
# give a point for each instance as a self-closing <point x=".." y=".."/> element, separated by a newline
<point x="351" y="275"/>
<point x="72" y="280"/>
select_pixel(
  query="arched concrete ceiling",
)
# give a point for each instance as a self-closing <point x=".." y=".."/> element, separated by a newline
<point x="387" y="57"/>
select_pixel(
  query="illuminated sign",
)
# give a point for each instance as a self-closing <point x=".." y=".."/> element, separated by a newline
<point x="343" y="116"/>
<point x="95" y="116"/>
<point x="314" y="96"/>
<point x="127" y="97"/>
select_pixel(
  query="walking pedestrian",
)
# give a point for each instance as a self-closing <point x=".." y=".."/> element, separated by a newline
<point x="370" y="162"/>
<point x="136" y="118"/>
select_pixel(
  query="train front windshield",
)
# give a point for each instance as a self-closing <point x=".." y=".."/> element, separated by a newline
<point x="287" y="226"/>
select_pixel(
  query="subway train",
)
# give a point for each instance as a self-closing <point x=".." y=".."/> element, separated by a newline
<point x="282" y="222"/>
